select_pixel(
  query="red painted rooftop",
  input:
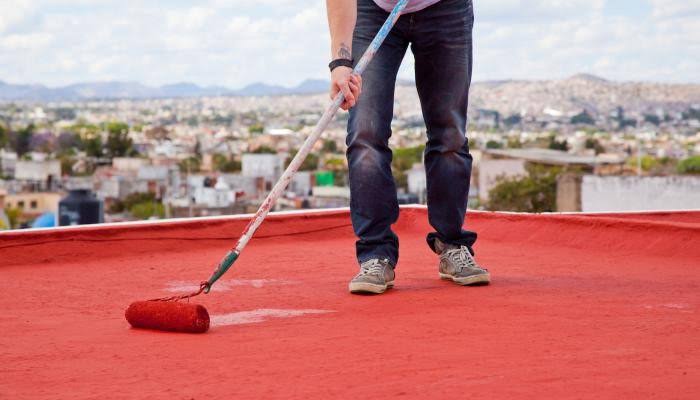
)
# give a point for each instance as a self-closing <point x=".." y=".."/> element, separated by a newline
<point x="581" y="306"/>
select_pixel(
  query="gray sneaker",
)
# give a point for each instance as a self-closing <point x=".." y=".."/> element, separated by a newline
<point x="458" y="265"/>
<point x="375" y="276"/>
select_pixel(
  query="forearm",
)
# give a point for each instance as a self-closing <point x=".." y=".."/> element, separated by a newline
<point x="342" y="15"/>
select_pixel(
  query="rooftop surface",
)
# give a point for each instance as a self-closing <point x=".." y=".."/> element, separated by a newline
<point x="581" y="306"/>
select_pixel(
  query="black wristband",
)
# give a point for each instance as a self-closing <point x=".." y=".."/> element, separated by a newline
<point x="340" y="62"/>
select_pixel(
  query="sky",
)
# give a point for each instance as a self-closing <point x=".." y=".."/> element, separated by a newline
<point x="237" y="42"/>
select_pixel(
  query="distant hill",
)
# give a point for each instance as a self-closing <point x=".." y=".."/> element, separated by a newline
<point x="568" y="96"/>
<point x="135" y="90"/>
<point x="581" y="92"/>
<point x="261" y="89"/>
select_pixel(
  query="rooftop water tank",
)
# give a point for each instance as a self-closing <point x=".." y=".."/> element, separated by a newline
<point x="80" y="207"/>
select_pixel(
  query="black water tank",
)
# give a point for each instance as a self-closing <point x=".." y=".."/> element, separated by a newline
<point x="80" y="207"/>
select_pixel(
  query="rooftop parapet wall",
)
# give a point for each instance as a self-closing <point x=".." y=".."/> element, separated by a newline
<point x="675" y="234"/>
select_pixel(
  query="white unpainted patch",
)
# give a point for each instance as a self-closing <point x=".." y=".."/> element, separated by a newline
<point x="674" y="306"/>
<point x="223" y="286"/>
<point x="260" y="315"/>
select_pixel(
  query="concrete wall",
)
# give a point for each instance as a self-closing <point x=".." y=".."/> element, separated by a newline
<point x="34" y="203"/>
<point x="37" y="170"/>
<point x="490" y="169"/>
<point x="239" y="182"/>
<point x="128" y="163"/>
<point x="301" y="183"/>
<point x="569" y="192"/>
<point x="634" y="193"/>
<point x="8" y="160"/>
<point x="269" y="166"/>
<point x="416" y="178"/>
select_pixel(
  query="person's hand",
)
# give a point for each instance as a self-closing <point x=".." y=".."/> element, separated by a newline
<point x="343" y="80"/>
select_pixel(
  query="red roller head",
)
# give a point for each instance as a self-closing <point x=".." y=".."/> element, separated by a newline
<point x="168" y="316"/>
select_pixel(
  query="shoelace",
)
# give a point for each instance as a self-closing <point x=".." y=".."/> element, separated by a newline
<point x="371" y="267"/>
<point x="462" y="257"/>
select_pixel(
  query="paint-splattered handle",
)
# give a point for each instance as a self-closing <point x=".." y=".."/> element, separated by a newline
<point x="303" y="152"/>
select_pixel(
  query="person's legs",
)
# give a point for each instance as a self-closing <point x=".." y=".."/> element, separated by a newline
<point x="442" y="45"/>
<point x="373" y="204"/>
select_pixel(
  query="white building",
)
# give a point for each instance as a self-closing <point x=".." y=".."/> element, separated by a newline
<point x="268" y="166"/>
<point x="118" y="187"/>
<point x="639" y="193"/>
<point x="300" y="184"/>
<point x="128" y="163"/>
<point x="219" y="196"/>
<point x="42" y="173"/>
<point x="417" y="181"/>
<point x="240" y="183"/>
<point x="8" y="162"/>
<point x="160" y="179"/>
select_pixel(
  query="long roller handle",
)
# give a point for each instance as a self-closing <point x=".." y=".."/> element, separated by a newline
<point x="299" y="158"/>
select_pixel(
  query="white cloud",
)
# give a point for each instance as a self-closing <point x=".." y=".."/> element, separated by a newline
<point x="22" y="42"/>
<point x="675" y="8"/>
<point x="190" y="19"/>
<point x="14" y="13"/>
<point x="534" y="10"/>
<point x="236" y="42"/>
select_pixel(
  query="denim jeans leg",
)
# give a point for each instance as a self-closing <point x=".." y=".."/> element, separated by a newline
<point x="442" y="47"/>
<point x="373" y="203"/>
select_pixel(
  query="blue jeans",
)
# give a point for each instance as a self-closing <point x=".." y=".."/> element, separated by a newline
<point x="441" y="42"/>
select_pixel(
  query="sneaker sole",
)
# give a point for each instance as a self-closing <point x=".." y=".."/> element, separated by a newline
<point x="468" y="280"/>
<point x="363" y="287"/>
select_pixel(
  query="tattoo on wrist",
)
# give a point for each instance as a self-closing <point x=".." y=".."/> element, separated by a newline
<point x="344" y="52"/>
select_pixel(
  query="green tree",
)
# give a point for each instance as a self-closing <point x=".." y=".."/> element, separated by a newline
<point x="191" y="164"/>
<point x="4" y="136"/>
<point x="335" y="164"/>
<point x="309" y="164"/>
<point x="492" y="144"/>
<point x="265" y="150"/>
<point x="13" y="216"/>
<point x="329" y="146"/>
<point x="225" y="164"/>
<point x="690" y="165"/>
<point x="534" y="192"/>
<point x="198" y="149"/>
<point x="22" y="139"/>
<point x="404" y="158"/>
<point x="649" y="163"/>
<point x="92" y="146"/>
<point x="554" y="144"/>
<point x="83" y="129"/>
<point x="67" y="142"/>
<point x="583" y="118"/>
<point x="514" y="143"/>
<point x="66" y="164"/>
<point x="130" y="200"/>
<point x="119" y="144"/>
<point x="594" y="144"/>
<point x="147" y="209"/>
<point x="256" y="128"/>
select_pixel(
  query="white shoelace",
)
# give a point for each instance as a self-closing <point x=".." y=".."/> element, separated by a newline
<point x="371" y="267"/>
<point x="462" y="257"/>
